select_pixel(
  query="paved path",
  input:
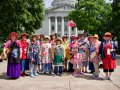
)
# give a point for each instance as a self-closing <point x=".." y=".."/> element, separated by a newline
<point x="66" y="82"/>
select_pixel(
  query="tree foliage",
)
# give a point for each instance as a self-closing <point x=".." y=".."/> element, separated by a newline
<point x="20" y="16"/>
<point x="91" y="15"/>
<point x="115" y="22"/>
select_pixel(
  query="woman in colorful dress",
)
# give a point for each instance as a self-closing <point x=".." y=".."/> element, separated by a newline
<point x="41" y="42"/>
<point x="69" y="55"/>
<point x="66" y="52"/>
<point x="76" y="58"/>
<point x="46" y="53"/>
<point x="58" y="57"/>
<point x="34" y="56"/>
<point x="95" y="55"/>
<point x="14" y="65"/>
<point x="108" y="55"/>
<point x="24" y="58"/>
<point x="83" y="49"/>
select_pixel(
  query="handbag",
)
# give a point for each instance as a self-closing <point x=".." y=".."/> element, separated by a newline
<point x="8" y="50"/>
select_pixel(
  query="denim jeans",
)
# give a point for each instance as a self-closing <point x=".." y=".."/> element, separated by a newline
<point x="58" y="69"/>
<point x="47" y="67"/>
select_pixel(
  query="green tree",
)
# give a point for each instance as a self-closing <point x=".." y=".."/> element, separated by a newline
<point x="91" y="15"/>
<point x="115" y="22"/>
<point x="20" y="16"/>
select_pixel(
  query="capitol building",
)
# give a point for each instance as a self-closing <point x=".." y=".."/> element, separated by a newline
<point x="56" y="18"/>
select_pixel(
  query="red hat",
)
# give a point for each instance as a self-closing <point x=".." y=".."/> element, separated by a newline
<point x="107" y="34"/>
<point x="13" y="33"/>
<point x="90" y="38"/>
<point x="24" y="34"/>
<point x="74" y="37"/>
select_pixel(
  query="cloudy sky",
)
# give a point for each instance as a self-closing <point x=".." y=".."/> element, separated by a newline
<point x="48" y="3"/>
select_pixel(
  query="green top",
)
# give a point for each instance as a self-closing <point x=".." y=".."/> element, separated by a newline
<point x="58" y="55"/>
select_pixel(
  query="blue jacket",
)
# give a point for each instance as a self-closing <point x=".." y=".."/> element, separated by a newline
<point x="101" y="51"/>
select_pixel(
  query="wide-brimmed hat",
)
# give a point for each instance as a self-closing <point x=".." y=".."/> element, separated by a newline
<point x="24" y="34"/>
<point x="65" y="36"/>
<point x="47" y="37"/>
<point x="81" y="32"/>
<point x="95" y="36"/>
<point x="34" y="35"/>
<point x="13" y="33"/>
<point x="41" y="36"/>
<point x="107" y="34"/>
<point x="58" y="39"/>
<point x="74" y="37"/>
<point x="89" y="37"/>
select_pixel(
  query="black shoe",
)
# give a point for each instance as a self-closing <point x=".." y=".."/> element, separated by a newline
<point x="64" y="70"/>
<point x="44" y="72"/>
<point x="91" y="72"/>
<point x="50" y="73"/>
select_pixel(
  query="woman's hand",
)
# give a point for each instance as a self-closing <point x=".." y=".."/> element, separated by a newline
<point x="20" y="55"/>
<point x="5" y="56"/>
<point x="32" y="61"/>
<point x="111" y="50"/>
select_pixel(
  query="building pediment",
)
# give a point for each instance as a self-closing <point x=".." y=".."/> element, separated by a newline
<point x="62" y="8"/>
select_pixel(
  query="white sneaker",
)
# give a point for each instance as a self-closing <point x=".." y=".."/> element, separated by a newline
<point x="36" y="74"/>
<point x="109" y="78"/>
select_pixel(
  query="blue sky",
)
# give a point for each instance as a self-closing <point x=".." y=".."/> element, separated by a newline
<point x="48" y="3"/>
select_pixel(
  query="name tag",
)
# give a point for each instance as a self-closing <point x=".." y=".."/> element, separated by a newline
<point x="108" y="51"/>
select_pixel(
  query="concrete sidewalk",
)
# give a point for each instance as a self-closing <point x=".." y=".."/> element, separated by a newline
<point x="66" y="82"/>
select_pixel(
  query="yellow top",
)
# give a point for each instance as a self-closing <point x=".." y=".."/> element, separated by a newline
<point x="66" y="50"/>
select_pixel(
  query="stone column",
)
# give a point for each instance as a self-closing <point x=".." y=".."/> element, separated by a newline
<point x="63" y="26"/>
<point x="49" y="20"/>
<point x="76" y="31"/>
<point x="69" y="31"/>
<point x="56" y="28"/>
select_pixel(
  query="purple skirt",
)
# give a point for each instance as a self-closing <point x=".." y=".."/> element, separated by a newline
<point x="14" y="70"/>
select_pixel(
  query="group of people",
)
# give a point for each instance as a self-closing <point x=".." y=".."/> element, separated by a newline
<point x="50" y="54"/>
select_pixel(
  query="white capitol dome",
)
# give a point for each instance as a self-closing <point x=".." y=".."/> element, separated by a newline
<point x="60" y="2"/>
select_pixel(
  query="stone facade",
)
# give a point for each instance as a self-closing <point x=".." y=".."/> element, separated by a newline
<point x="56" y="18"/>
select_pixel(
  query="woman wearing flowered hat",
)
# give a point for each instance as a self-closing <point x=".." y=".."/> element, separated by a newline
<point x="24" y="58"/>
<point x="83" y="49"/>
<point x="41" y="42"/>
<point x="46" y="53"/>
<point x="34" y="55"/>
<point x="108" y="55"/>
<point x="14" y="66"/>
